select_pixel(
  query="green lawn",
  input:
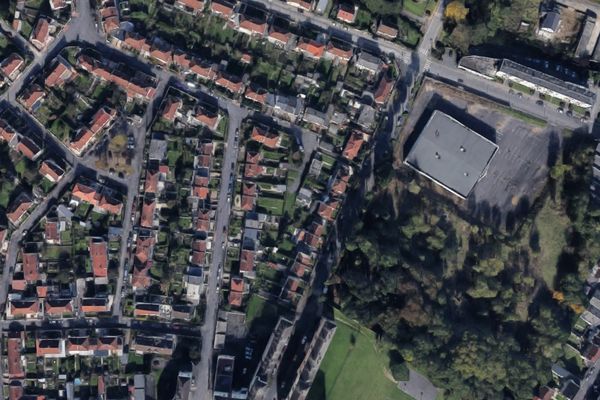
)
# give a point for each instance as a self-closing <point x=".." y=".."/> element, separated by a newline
<point x="418" y="7"/>
<point x="271" y="204"/>
<point x="551" y="225"/>
<point x="353" y="368"/>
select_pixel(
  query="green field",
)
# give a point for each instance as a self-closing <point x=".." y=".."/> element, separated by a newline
<point x="353" y="368"/>
<point x="418" y="7"/>
<point x="271" y="204"/>
<point x="551" y="225"/>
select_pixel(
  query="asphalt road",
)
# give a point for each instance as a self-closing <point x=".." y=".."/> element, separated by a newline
<point x="526" y="103"/>
<point x="202" y="371"/>
<point x="355" y="36"/>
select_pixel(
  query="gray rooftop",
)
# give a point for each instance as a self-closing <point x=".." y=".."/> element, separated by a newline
<point x="550" y="82"/>
<point x="451" y="154"/>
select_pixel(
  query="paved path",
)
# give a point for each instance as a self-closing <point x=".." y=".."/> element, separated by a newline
<point x="418" y="387"/>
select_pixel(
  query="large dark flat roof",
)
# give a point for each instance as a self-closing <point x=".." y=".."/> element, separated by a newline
<point x="451" y="154"/>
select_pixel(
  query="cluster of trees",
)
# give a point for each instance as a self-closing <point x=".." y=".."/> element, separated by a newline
<point x="463" y="303"/>
<point x="473" y="22"/>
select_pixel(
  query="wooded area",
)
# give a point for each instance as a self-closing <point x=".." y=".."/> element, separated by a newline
<point x="464" y="304"/>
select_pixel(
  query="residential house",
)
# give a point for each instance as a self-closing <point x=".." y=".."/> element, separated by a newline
<point x="368" y="62"/>
<point x="353" y="145"/>
<point x="310" y="48"/>
<point x="221" y="8"/>
<point x="171" y="109"/>
<point x="251" y="27"/>
<point x="267" y="138"/>
<point x="29" y="148"/>
<point x="102" y="202"/>
<point x="40" y="36"/>
<point x="51" y="171"/>
<point x="347" y="13"/>
<point x="61" y="72"/>
<point x="18" y="209"/>
<point x="301" y="4"/>
<point x="279" y="36"/>
<point x="52" y="231"/>
<point x="23" y="309"/>
<point x="32" y="97"/>
<point x="15" y="360"/>
<point x="386" y="31"/>
<point x="337" y="51"/>
<point x="230" y="83"/>
<point x="12" y="66"/>
<point x="193" y="7"/>
<point x="98" y="249"/>
<point x="384" y="89"/>
<point x="236" y="291"/>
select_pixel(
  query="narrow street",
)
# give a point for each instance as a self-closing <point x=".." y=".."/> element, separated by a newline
<point x="203" y="370"/>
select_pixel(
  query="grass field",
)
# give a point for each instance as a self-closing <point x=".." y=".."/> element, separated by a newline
<point x="418" y="7"/>
<point x="551" y="225"/>
<point x="353" y="368"/>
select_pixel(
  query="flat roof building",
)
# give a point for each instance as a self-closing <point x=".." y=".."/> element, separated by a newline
<point x="546" y="84"/>
<point x="450" y="154"/>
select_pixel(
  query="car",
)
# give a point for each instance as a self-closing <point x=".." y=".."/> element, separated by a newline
<point x="539" y="103"/>
<point x="460" y="80"/>
<point x="519" y="95"/>
<point x="560" y="110"/>
<point x="569" y="113"/>
<point x="223" y="246"/>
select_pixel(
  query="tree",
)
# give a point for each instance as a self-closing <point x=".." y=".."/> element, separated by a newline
<point x="456" y="11"/>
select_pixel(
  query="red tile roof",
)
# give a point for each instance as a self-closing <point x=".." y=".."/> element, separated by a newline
<point x="41" y="34"/>
<point x="61" y="73"/>
<point x="384" y="89"/>
<point x="24" y="307"/>
<point x="256" y="96"/>
<point x="82" y="141"/>
<point x="51" y="171"/>
<point x="171" y="108"/>
<point x="11" y="65"/>
<point x="207" y="119"/>
<point x="194" y="5"/>
<point x="221" y="9"/>
<point x="99" y="257"/>
<point x="279" y="36"/>
<point x="31" y="96"/>
<point x="7" y="133"/>
<point x="15" y="364"/>
<point x="31" y="266"/>
<point x="137" y="42"/>
<point x="204" y="71"/>
<point x="247" y="261"/>
<point x="233" y="86"/>
<point x="51" y="233"/>
<point x="15" y="391"/>
<point x="58" y="307"/>
<point x="132" y="89"/>
<point x="89" y="195"/>
<point x="163" y="56"/>
<point x="47" y="347"/>
<point x="18" y="210"/>
<point x="342" y="54"/>
<point x="254" y="27"/>
<point x="151" y="181"/>
<point x="28" y="148"/>
<point x="101" y="119"/>
<point x="346" y="13"/>
<point x="311" y="48"/>
<point x="353" y="145"/>
<point x="147" y="217"/>
<point x="110" y="24"/>
<point x="387" y="31"/>
<point x="269" y="139"/>
<point x="237" y="284"/>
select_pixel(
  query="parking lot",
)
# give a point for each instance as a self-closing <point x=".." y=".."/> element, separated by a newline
<point x="518" y="171"/>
